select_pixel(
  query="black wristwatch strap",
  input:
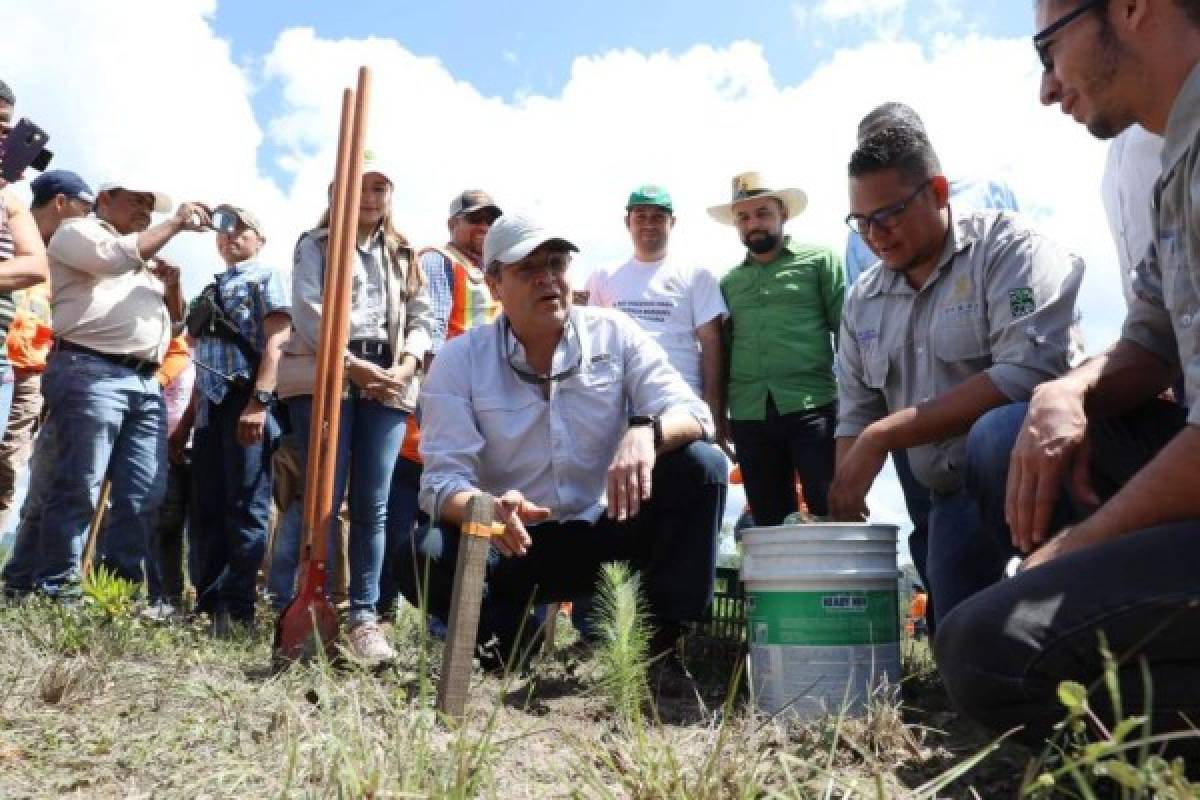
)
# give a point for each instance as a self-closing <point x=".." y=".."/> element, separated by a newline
<point x="655" y="424"/>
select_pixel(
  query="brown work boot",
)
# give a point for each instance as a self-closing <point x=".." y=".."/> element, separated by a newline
<point x="367" y="646"/>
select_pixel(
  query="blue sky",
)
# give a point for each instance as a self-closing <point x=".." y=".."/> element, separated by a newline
<point x="503" y="48"/>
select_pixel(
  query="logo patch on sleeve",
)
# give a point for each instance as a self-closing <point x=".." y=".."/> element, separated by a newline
<point x="1020" y="302"/>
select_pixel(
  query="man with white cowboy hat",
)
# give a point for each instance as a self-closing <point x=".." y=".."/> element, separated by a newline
<point x="785" y="305"/>
<point x="112" y="316"/>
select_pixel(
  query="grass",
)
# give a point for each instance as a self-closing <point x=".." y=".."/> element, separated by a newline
<point x="97" y="703"/>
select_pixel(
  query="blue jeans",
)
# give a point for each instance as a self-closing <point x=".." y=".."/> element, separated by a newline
<point x="369" y="439"/>
<point x="969" y="541"/>
<point x="918" y="501"/>
<point x="402" y="515"/>
<point x="25" y="557"/>
<point x="285" y="556"/>
<point x="231" y="485"/>
<point x="111" y="421"/>
<point x="7" y="380"/>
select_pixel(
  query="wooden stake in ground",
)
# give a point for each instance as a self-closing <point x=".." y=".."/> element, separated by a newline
<point x="89" y="547"/>
<point x="309" y="623"/>
<point x="465" y="600"/>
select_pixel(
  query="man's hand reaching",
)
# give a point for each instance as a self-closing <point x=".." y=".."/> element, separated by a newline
<point x="514" y="511"/>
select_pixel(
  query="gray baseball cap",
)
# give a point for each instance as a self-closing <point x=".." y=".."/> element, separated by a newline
<point x="472" y="200"/>
<point x="514" y="236"/>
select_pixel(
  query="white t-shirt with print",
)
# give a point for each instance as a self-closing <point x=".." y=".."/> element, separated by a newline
<point x="669" y="299"/>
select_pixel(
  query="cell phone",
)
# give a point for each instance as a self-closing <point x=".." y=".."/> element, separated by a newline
<point x="224" y="221"/>
<point x="24" y="146"/>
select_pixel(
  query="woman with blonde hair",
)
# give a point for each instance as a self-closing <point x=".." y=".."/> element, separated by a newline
<point x="390" y="334"/>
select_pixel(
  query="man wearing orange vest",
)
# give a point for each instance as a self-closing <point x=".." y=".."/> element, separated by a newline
<point x="460" y="300"/>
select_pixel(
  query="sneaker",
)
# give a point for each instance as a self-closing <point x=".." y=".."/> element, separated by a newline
<point x="160" y="612"/>
<point x="367" y="645"/>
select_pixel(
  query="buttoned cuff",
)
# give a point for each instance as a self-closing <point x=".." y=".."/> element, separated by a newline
<point x="1017" y="382"/>
<point x="433" y="499"/>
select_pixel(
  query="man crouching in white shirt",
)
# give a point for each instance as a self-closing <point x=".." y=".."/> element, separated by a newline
<point x="551" y="409"/>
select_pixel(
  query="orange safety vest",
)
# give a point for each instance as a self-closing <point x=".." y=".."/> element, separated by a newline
<point x="471" y="304"/>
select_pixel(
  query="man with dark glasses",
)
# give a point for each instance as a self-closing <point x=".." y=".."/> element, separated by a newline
<point x="552" y="409"/>
<point x="966" y="312"/>
<point x="1101" y="439"/>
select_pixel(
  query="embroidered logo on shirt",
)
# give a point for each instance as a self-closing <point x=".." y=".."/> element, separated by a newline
<point x="867" y="339"/>
<point x="963" y="288"/>
<point x="1020" y="302"/>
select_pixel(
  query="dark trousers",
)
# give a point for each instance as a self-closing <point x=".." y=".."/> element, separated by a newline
<point x="1003" y="652"/>
<point x="402" y="515"/>
<point x="771" y="452"/>
<point x="231" y="488"/>
<point x="164" y="577"/>
<point x="672" y="542"/>
<point x="917" y="501"/>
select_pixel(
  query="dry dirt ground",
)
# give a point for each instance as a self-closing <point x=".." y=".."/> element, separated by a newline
<point x="100" y="705"/>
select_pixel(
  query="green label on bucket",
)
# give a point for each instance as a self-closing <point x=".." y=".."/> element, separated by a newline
<point x="827" y="618"/>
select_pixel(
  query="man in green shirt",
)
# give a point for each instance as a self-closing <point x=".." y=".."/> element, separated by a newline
<point x="785" y="306"/>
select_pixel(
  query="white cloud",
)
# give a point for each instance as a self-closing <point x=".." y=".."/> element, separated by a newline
<point x="161" y="99"/>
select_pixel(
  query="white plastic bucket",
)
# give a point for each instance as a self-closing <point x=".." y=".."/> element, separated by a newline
<point x="822" y="615"/>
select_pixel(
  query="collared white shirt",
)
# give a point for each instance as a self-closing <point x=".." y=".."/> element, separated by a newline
<point x="1130" y="172"/>
<point x="485" y="428"/>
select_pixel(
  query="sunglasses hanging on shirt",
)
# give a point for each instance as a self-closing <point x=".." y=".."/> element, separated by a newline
<point x="532" y="377"/>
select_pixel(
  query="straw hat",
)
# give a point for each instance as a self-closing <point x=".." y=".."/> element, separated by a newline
<point x="750" y="185"/>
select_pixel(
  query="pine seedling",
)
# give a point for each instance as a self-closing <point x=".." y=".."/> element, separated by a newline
<point x="622" y="622"/>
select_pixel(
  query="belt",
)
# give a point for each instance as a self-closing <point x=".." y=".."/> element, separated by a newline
<point x="370" y="349"/>
<point x="141" y="366"/>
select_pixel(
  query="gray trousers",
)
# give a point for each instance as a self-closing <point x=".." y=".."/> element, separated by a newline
<point x="1003" y="652"/>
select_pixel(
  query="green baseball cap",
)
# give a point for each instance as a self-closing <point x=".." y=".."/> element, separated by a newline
<point x="650" y="195"/>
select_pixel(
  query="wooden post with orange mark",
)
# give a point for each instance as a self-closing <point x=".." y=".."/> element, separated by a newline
<point x="465" y="602"/>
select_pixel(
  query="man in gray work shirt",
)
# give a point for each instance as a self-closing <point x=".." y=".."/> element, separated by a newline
<point x="965" y="313"/>
<point x="1102" y="437"/>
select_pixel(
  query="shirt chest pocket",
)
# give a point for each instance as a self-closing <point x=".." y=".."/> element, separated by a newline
<point x="503" y="415"/>
<point x="875" y="369"/>
<point x="791" y="286"/>
<point x="960" y="341"/>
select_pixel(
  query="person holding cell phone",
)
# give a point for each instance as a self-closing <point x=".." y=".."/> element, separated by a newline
<point x="391" y="328"/>
<point x="112" y="325"/>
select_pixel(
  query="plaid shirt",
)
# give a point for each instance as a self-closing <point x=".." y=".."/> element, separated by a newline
<point x="439" y="274"/>
<point x="249" y="292"/>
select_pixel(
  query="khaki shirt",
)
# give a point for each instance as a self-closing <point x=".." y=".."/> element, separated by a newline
<point x="104" y="296"/>
<point x="1000" y="303"/>
<point x="1164" y="316"/>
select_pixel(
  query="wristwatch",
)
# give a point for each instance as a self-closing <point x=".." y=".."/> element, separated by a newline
<point x="655" y="423"/>
<point x="262" y="396"/>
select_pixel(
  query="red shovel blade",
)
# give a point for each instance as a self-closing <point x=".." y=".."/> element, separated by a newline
<point x="309" y="624"/>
